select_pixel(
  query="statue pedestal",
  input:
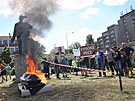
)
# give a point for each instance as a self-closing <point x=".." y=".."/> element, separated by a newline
<point x="20" y="66"/>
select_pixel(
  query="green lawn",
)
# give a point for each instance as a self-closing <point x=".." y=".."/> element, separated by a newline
<point x="78" y="88"/>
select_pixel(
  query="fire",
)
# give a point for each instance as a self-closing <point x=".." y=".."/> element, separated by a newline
<point x="32" y="69"/>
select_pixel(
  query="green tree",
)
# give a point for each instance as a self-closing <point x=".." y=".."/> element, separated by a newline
<point x="5" y="55"/>
<point x="76" y="45"/>
<point x="36" y="49"/>
<point x="89" y="39"/>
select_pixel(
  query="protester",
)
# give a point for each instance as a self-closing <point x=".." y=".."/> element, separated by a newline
<point x="75" y="64"/>
<point x="45" y="68"/>
<point x="123" y="62"/>
<point x="117" y="59"/>
<point x="129" y="51"/>
<point x="64" y="61"/>
<point x="57" y="70"/>
<point x="92" y="63"/>
<point x="109" y="56"/>
<point x="100" y="61"/>
<point x="106" y="64"/>
<point x="70" y="64"/>
<point x="9" y="70"/>
<point x="85" y="64"/>
<point x="3" y="71"/>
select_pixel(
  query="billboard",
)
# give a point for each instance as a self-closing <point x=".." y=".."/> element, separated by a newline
<point x="87" y="50"/>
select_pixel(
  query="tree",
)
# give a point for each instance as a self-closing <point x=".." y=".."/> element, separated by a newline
<point x="76" y="45"/>
<point x="89" y="39"/>
<point x="36" y="49"/>
<point x="5" y="55"/>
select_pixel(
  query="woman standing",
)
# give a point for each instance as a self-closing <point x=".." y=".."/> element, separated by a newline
<point x="3" y="71"/>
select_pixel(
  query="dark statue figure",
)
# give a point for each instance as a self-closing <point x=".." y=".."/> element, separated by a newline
<point x="22" y="32"/>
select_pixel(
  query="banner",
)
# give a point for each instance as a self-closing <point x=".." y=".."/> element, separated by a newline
<point x="76" y="52"/>
<point x="87" y="50"/>
<point x="59" y="50"/>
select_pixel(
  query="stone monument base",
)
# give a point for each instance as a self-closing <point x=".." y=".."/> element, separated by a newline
<point x="20" y="66"/>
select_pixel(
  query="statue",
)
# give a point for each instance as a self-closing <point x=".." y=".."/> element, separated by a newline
<point x="22" y="32"/>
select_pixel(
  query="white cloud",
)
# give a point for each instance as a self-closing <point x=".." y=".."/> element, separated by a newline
<point x="76" y="4"/>
<point x="88" y="12"/>
<point x="114" y="2"/>
<point x="4" y="8"/>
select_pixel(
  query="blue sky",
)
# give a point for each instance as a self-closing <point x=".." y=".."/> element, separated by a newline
<point x="82" y="17"/>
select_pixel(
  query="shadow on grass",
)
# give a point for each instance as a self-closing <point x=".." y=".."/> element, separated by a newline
<point x="132" y="77"/>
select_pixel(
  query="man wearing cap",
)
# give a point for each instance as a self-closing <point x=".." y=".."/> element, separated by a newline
<point x="22" y="32"/>
<point x="129" y="51"/>
<point x="117" y="59"/>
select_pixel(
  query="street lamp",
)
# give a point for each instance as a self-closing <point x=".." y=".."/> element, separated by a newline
<point x="54" y="47"/>
<point x="9" y="39"/>
<point x="67" y="39"/>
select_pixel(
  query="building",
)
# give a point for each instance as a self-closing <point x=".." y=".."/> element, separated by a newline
<point x="123" y="32"/>
<point x="126" y="27"/>
<point x="108" y="37"/>
<point x="113" y="31"/>
<point x="100" y="42"/>
<point x="6" y="41"/>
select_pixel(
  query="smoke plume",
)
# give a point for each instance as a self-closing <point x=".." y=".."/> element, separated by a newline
<point x="37" y="12"/>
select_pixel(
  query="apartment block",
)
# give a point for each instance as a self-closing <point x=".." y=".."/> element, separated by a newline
<point x="126" y="27"/>
<point x="108" y="37"/>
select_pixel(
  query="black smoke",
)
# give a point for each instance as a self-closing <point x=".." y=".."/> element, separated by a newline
<point x="38" y="13"/>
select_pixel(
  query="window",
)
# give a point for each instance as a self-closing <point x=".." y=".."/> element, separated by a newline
<point x="125" y="24"/>
<point x="0" y="49"/>
<point x="124" y="20"/>
<point x="112" y="32"/>
<point x="127" y="36"/>
<point x="15" y="41"/>
<point x="16" y="49"/>
<point x="0" y="42"/>
<point x="5" y="42"/>
<point x="133" y="17"/>
<point x="12" y="49"/>
<point x="126" y="33"/>
<point x="112" y="36"/>
<point x="128" y="40"/>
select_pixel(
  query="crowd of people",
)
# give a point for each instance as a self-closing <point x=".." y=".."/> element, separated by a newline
<point x="115" y="60"/>
<point x="5" y="71"/>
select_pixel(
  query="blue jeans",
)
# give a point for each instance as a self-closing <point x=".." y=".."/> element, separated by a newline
<point x="101" y="67"/>
<point x="118" y="66"/>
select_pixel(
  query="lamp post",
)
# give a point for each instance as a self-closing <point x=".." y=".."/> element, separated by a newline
<point x="9" y="39"/>
<point x="54" y="47"/>
<point x="67" y="39"/>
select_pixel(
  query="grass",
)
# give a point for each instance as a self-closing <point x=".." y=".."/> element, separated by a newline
<point x="77" y="88"/>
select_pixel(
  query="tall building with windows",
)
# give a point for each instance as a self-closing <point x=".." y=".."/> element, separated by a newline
<point x="108" y="37"/>
<point x="6" y="41"/>
<point x="100" y="42"/>
<point x="127" y="27"/>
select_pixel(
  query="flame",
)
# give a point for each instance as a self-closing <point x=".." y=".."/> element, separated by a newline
<point x="32" y="69"/>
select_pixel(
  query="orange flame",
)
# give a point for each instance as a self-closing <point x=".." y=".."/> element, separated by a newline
<point x="32" y="69"/>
